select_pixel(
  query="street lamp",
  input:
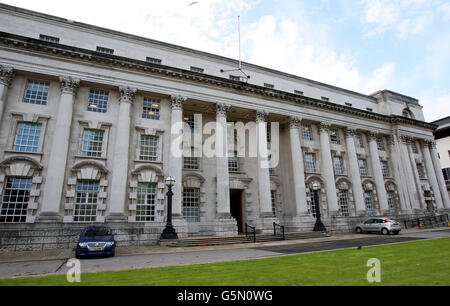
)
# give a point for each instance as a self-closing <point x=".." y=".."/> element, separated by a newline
<point x="318" y="227"/>
<point x="169" y="232"/>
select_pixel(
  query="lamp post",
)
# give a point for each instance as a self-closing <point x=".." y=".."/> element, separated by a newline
<point x="169" y="232"/>
<point x="318" y="227"/>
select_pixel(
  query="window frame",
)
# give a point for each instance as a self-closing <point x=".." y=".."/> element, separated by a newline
<point x="34" y="101"/>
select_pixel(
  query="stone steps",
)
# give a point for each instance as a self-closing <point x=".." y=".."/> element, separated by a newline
<point x="208" y="241"/>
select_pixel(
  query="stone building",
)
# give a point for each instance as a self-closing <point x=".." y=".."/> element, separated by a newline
<point x="89" y="117"/>
<point x="442" y="136"/>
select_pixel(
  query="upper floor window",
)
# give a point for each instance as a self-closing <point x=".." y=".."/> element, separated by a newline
<point x="197" y="69"/>
<point x="92" y="143"/>
<point x="310" y="162"/>
<point x="15" y="198"/>
<point x="36" y="92"/>
<point x="348" y="104"/>
<point x="420" y="170"/>
<point x="27" y="137"/>
<point x="325" y="99"/>
<point x="307" y="132"/>
<point x="359" y="140"/>
<point x="334" y="137"/>
<point x="98" y="101"/>
<point x="362" y="167"/>
<point x="267" y="85"/>
<point x="149" y="148"/>
<point x="49" y="38"/>
<point x="298" y="92"/>
<point x="414" y="147"/>
<point x="338" y="165"/>
<point x="380" y="144"/>
<point x="235" y="78"/>
<point x="105" y="50"/>
<point x="189" y="119"/>
<point x="369" y="109"/>
<point x="150" y="109"/>
<point x="273" y="198"/>
<point x="385" y="168"/>
<point x="407" y="113"/>
<point x="154" y="60"/>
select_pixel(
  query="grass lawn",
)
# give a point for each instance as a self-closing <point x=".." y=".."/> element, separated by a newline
<point x="413" y="263"/>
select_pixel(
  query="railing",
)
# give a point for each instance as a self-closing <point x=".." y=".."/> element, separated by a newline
<point x="283" y="235"/>
<point x="253" y="228"/>
<point x="427" y="221"/>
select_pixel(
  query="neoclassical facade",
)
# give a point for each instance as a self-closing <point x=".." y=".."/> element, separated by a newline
<point x="90" y="119"/>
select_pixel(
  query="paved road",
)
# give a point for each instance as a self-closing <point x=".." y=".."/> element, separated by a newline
<point x="33" y="267"/>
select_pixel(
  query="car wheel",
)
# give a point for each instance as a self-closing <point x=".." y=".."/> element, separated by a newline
<point x="358" y="230"/>
<point x="385" y="231"/>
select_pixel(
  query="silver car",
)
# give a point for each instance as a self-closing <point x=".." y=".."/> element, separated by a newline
<point x="383" y="225"/>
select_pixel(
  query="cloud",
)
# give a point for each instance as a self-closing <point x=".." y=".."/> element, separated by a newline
<point x="434" y="105"/>
<point x="445" y="10"/>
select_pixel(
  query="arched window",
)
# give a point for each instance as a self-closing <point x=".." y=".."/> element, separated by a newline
<point x="407" y="113"/>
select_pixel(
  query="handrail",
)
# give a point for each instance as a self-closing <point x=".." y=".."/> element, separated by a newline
<point x="275" y="225"/>
<point x="253" y="228"/>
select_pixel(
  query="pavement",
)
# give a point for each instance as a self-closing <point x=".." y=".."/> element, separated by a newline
<point x="16" y="264"/>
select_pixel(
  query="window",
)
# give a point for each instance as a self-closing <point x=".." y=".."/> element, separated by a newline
<point x="15" y="198"/>
<point x="191" y="207"/>
<point x="420" y="171"/>
<point x="268" y="132"/>
<point x="325" y="99"/>
<point x="85" y="209"/>
<point x="192" y="125"/>
<point x="273" y="197"/>
<point x="362" y="167"/>
<point x="105" y="50"/>
<point x="338" y="165"/>
<point x="312" y="201"/>
<point x="307" y="132"/>
<point x="369" y="202"/>
<point x="150" y="109"/>
<point x="310" y="164"/>
<point x="334" y="137"/>
<point x="380" y="144"/>
<point x="148" y="148"/>
<point x="146" y="202"/>
<point x="298" y="92"/>
<point x="153" y="60"/>
<point x="414" y="147"/>
<point x="92" y="143"/>
<point x="98" y="101"/>
<point x="343" y="202"/>
<point x="385" y="169"/>
<point x="49" y="38"/>
<point x="267" y="85"/>
<point x="196" y="69"/>
<point x="446" y="173"/>
<point x="391" y="202"/>
<point x="27" y="137"/>
<point x="36" y="92"/>
<point x="235" y="78"/>
<point x="359" y="141"/>
<point x="233" y="163"/>
<point x="191" y="162"/>
<point x="369" y="109"/>
<point x="348" y="104"/>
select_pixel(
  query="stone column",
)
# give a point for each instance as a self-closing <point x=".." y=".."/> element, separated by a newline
<point x="223" y="178"/>
<point x="265" y="203"/>
<point x="354" y="172"/>
<point x="439" y="175"/>
<point x="327" y="169"/>
<point x="55" y="178"/>
<point x="410" y="186"/>
<point x="378" y="174"/>
<point x="420" y="196"/>
<point x="176" y="156"/>
<point x="120" y="158"/>
<point x="298" y="167"/>
<point x="397" y="171"/>
<point x="6" y="76"/>
<point x="431" y="174"/>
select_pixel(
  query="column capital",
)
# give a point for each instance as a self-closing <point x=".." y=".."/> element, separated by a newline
<point x="222" y="109"/>
<point x="6" y="75"/>
<point x="349" y="132"/>
<point x="127" y="94"/>
<point x="261" y="115"/>
<point x="177" y="101"/>
<point x="294" y="122"/>
<point x="324" y="127"/>
<point x="390" y="140"/>
<point x="405" y="139"/>
<point x="372" y="136"/>
<point x="432" y="144"/>
<point x="69" y="85"/>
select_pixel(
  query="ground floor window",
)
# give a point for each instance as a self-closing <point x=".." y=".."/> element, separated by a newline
<point x="86" y="201"/>
<point x="273" y="196"/>
<point x="312" y="202"/>
<point x="15" y="198"/>
<point x="146" y="202"/>
<point x="191" y="207"/>
<point x="343" y="202"/>
<point x="369" y="202"/>
<point x="391" y="202"/>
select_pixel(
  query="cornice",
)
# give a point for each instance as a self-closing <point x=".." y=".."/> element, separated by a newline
<point x="74" y="53"/>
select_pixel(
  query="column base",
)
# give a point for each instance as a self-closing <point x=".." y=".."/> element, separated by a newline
<point x="225" y="225"/>
<point x="265" y="223"/>
<point x="49" y="217"/>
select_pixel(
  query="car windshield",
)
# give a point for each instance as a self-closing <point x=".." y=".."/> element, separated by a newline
<point x="100" y="231"/>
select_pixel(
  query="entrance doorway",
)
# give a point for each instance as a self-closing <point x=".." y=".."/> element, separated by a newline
<point x="236" y="208"/>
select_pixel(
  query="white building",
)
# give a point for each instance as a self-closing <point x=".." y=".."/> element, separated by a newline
<point x="442" y="135"/>
<point x="87" y="122"/>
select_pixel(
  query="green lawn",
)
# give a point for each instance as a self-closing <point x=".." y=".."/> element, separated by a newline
<point x="413" y="263"/>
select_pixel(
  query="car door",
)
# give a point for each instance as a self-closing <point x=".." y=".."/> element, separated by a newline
<point x="367" y="225"/>
<point x="377" y="225"/>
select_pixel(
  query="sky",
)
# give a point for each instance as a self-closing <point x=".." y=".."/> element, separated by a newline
<point x="360" y="45"/>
